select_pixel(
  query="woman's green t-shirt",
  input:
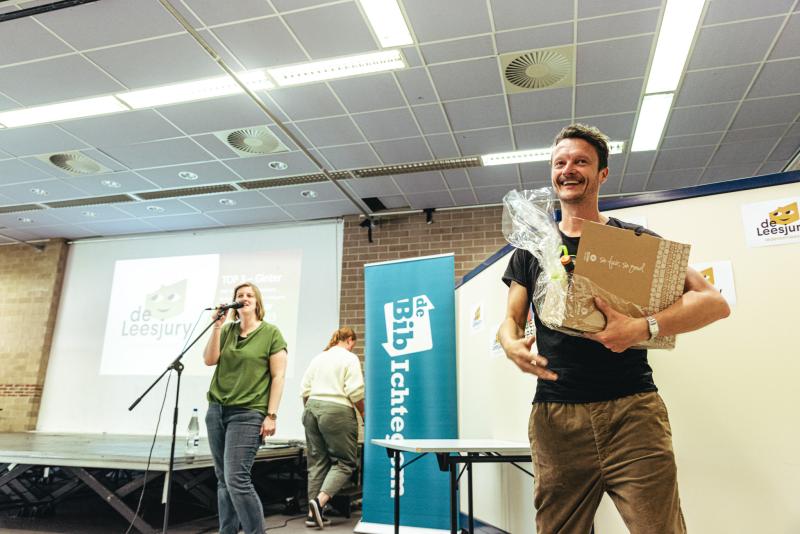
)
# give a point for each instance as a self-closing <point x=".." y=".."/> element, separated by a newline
<point x="242" y="376"/>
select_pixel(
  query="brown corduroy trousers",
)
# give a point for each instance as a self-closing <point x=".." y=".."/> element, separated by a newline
<point x="622" y="447"/>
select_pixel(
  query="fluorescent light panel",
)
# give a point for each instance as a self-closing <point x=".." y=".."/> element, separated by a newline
<point x="87" y="107"/>
<point x="387" y="22"/>
<point x="652" y="119"/>
<point x="196" y="90"/>
<point x="338" y="68"/>
<point x="536" y="154"/>
<point x="674" y="39"/>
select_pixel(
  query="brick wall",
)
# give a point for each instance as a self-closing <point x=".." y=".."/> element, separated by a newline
<point x="30" y="287"/>
<point x="471" y="234"/>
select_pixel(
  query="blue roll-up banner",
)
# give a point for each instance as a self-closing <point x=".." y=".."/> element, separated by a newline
<point x="410" y="364"/>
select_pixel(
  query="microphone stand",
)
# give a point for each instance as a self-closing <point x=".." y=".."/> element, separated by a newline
<point x="178" y="367"/>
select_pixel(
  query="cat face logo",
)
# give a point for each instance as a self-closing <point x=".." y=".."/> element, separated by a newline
<point x="708" y="274"/>
<point x="167" y="302"/>
<point x="477" y="316"/>
<point x="785" y="214"/>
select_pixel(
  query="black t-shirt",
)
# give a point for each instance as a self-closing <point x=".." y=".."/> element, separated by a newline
<point x="587" y="371"/>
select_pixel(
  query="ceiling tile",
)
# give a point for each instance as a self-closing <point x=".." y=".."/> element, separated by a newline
<point x="38" y="218"/>
<point x="416" y="85"/>
<point x="477" y="113"/>
<point x="64" y="231"/>
<point x="431" y="119"/>
<point x="630" y="59"/>
<point x="786" y="149"/>
<point x="333" y="30"/>
<point x="536" y="172"/>
<point x="491" y="195"/>
<point x="402" y="151"/>
<point x="640" y="162"/>
<point x="42" y="139"/>
<point x="723" y="45"/>
<point x="465" y="79"/>
<point x="712" y="118"/>
<point x="291" y="5"/>
<point x="307" y="102"/>
<point x="263" y="215"/>
<point x="157" y="208"/>
<point x="56" y="190"/>
<point x="729" y="172"/>
<point x="538" y="135"/>
<point x="468" y="48"/>
<point x="508" y="14"/>
<point x="389" y="124"/>
<point x="183" y="222"/>
<point x="78" y="215"/>
<point x="128" y="182"/>
<point x="14" y="171"/>
<point x="412" y="56"/>
<point x="534" y="38"/>
<point x="612" y="97"/>
<point x="432" y="199"/>
<point x="42" y="82"/>
<point x="228" y="113"/>
<point x="351" y="156"/>
<point x="24" y="40"/>
<point x="728" y="11"/>
<point x="775" y="110"/>
<point x="261" y="43"/>
<point x="754" y="134"/>
<point x="180" y="58"/>
<point x="715" y="85"/>
<point x="369" y="93"/>
<point x="477" y="142"/>
<point x="122" y="128"/>
<point x="376" y="186"/>
<point x="638" y="22"/>
<point x="745" y="152"/>
<point x="777" y="78"/>
<point x="682" y="141"/>
<point x="207" y="173"/>
<point x="683" y="158"/>
<point x="159" y="153"/>
<point x="464" y="197"/>
<point x="457" y="178"/>
<point x="215" y="12"/>
<point x="420" y="182"/>
<point x="394" y="201"/>
<point x="321" y="210"/>
<point x="633" y="183"/>
<point x="443" y="146"/>
<point x="330" y="131"/>
<point x="494" y="175"/>
<point x="789" y="41"/>
<point x="221" y="201"/>
<point x="109" y="22"/>
<point x="216" y="147"/>
<point x="537" y="106"/>
<point x="673" y="179"/>
<point x="770" y="167"/>
<point x="445" y="19"/>
<point x="593" y="8"/>
<point x="130" y="226"/>
<point x="617" y="127"/>
<point x="258" y="167"/>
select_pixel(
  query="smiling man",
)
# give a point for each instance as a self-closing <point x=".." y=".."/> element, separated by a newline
<point x="597" y="423"/>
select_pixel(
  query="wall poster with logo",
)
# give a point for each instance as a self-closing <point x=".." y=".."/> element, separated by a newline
<point x="410" y="366"/>
<point x="773" y="222"/>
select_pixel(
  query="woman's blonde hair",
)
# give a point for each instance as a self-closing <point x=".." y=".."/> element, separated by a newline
<point x="234" y="314"/>
<point x="342" y="334"/>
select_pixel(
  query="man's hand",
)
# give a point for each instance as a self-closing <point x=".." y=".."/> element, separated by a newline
<point x="621" y="332"/>
<point x="519" y="352"/>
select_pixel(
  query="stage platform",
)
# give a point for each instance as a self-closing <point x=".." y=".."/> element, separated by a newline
<point x="113" y="466"/>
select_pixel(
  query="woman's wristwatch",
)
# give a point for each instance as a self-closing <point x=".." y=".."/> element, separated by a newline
<point x="272" y="416"/>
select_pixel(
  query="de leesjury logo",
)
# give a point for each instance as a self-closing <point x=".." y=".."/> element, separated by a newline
<point x="408" y="325"/>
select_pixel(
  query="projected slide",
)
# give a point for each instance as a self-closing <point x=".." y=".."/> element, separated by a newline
<point x="155" y="303"/>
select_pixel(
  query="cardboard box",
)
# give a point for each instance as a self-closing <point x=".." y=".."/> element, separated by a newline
<point x="638" y="275"/>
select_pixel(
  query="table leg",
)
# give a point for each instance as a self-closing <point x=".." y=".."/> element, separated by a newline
<point x="396" y="491"/>
<point x="453" y="498"/>
<point x="469" y="496"/>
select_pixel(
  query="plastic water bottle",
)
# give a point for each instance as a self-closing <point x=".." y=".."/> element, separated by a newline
<point x="193" y="439"/>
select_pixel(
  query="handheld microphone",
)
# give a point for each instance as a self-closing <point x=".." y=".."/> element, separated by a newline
<point x="226" y="307"/>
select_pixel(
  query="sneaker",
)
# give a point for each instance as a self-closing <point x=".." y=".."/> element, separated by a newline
<point x="315" y="513"/>
<point x="311" y="523"/>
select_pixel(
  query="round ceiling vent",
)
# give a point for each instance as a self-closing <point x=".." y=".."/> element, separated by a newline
<point x="76" y="163"/>
<point x="537" y="70"/>
<point x="254" y="141"/>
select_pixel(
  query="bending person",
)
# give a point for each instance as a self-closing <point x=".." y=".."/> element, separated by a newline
<point x="332" y="386"/>
<point x="243" y="400"/>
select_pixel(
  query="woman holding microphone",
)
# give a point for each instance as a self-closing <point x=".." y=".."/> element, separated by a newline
<point x="243" y="400"/>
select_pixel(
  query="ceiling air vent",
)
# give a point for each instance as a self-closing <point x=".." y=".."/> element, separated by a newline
<point x="538" y="69"/>
<point x="185" y="192"/>
<point x="74" y="163"/>
<point x="20" y="207"/>
<point x="90" y="201"/>
<point x="255" y="141"/>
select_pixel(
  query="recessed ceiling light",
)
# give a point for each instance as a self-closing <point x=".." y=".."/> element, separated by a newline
<point x="308" y="193"/>
<point x="111" y="183"/>
<point x="387" y="21"/>
<point x="652" y="119"/>
<point x="674" y="40"/>
<point x="277" y="165"/>
<point x="227" y="202"/>
<point x="155" y="209"/>
<point x="536" y="154"/>
<point x="38" y="191"/>
<point x="87" y="107"/>
<point x="25" y="220"/>
<point x="88" y="214"/>
<point x="338" y="68"/>
<point x="188" y="175"/>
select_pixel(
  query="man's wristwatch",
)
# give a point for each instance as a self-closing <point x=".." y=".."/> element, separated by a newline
<point x="272" y="416"/>
<point x="652" y="326"/>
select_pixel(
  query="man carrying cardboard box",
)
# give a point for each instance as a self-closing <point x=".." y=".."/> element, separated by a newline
<point x="597" y="423"/>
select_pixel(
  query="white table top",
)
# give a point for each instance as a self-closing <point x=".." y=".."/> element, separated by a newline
<point x="509" y="448"/>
